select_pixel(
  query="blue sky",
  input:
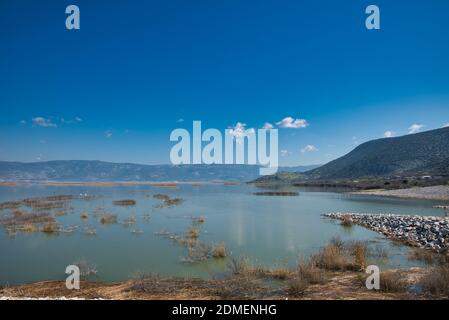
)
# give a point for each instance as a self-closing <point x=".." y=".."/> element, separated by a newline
<point x="116" y="88"/>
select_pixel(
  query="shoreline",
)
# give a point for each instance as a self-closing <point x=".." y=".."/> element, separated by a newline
<point x="440" y="193"/>
<point x="341" y="285"/>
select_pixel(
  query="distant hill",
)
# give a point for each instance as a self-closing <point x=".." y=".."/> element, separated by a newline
<point x="85" y="170"/>
<point x="425" y="153"/>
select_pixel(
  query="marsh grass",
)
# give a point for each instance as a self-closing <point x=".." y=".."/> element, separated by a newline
<point x="108" y="219"/>
<point x="219" y="250"/>
<point x="346" y="221"/>
<point x="50" y="228"/>
<point x="84" y="215"/>
<point x="193" y="233"/>
<point x="424" y="255"/>
<point x="124" y="202"/>
<point x="29" y="227"/>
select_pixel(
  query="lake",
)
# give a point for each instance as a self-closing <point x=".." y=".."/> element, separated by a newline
<point x="269" y="230"/>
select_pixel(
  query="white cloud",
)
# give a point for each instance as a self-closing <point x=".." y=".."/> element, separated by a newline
<point x="108" y="134"/>
<point x="445" y="125"/>
<point x="267" y="125"/>
<point x="309" y="148"/>
<point x="290" y="123"/>
<point x="239" y="131"/>
<point x="43" y="122"/>
<point x="415" y="128"/>
<point x="285" y="153"/>
<point x="389" y="134"/>
<point x="70" y="121"/>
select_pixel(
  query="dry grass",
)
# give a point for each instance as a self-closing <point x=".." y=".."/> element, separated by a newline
<point x="393" y="281"/>
<point x="359" y="252"/>
<point x="219" y="250"/>
<point x="436" y="280"/>
<point x="331" y="258"/>
<point x="308" y="271"/>
<point x="297" y="287"/>
<point x="419" y="254"/>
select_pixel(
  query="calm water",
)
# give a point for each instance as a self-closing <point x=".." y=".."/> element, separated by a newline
<point x="269" y="230"/>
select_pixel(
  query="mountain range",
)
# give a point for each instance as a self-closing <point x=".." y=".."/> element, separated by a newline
<point x="87" y="170"/>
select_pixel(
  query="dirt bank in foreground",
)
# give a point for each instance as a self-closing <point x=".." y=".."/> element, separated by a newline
<point x="430" y="193"/>
<point x="341" y="285"/>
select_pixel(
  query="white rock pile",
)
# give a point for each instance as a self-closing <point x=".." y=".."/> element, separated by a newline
<point x="421" y="231"/>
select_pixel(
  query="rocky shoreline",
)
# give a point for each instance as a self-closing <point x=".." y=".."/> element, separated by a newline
<point x="426" y="232"/>
<point x="440" y="192"/>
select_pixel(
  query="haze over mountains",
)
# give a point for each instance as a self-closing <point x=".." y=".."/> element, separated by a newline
<point x="425" y="153"/>
<point x="86" y="170"/>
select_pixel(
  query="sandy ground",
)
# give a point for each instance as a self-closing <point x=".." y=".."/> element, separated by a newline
<point x="430" y="193"/>
<point x="340" y="286"/>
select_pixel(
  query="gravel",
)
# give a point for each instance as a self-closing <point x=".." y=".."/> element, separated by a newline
<point x="427" y="232"/>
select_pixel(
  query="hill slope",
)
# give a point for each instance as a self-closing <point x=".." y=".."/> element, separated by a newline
<point x="425" y="153"/>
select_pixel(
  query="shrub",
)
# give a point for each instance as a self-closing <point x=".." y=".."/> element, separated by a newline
<point x="392" y="281"/>
<point x="297" y="287"/>
<point x="332" y="258"/>
<point x="436" y="280"/>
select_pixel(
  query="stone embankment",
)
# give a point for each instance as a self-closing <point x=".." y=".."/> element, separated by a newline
<point x="419" y="231"/>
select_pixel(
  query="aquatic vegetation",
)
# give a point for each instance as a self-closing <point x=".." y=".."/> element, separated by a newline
<point x="346" y="221"/>
<point x="84" y="215"/>
<point x="86" y="269"/>
<point x="276" y="193"/>
<point x="199" y="220"/>
<point x="21" y="217"/>
<point x="28" y="227"/>
<point x="193" y="233"/>
<point x="60" y="213"/>
<point x="108" y="218"/>
<point x="137" y="231"/>
<point x="50" y="228"/>
<point x="125" y="202"/>
<point x="219" y="250"/>
<point x="89" y="231"/>
<point x="420" y="254"/>
<point x="129" y="221"/>
<point x="167" y="201"/>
